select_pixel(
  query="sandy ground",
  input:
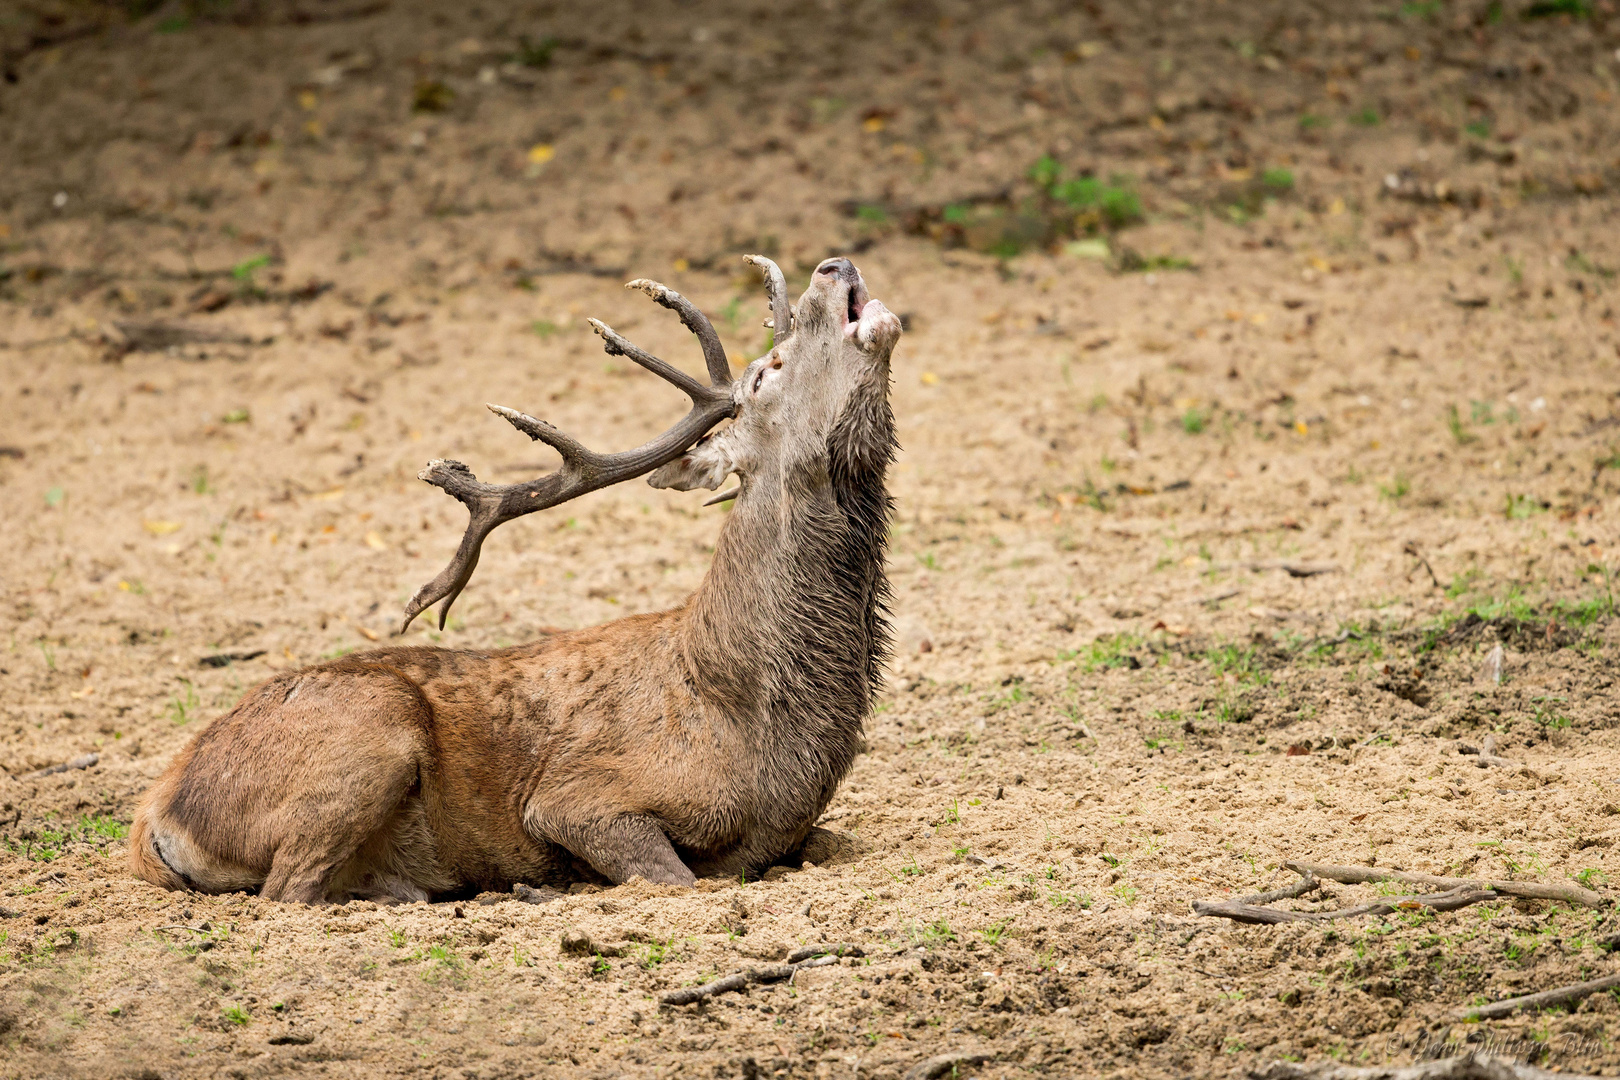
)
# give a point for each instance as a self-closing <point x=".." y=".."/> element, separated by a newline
<point x="1397" y="367"/>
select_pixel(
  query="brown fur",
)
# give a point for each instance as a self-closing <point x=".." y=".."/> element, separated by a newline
<point x="700" y="741"/>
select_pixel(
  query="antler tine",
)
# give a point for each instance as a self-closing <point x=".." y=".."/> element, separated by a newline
<point x="776" y="288"/>
<point x="714" y="354"/>
<point x="483" y="508"/>
<point x="615" y="345"/>
<point x="583" y="470"/>
<point x="574" y="453"/>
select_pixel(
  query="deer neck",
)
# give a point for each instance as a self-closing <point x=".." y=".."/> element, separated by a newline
<point x="789" y="629"/>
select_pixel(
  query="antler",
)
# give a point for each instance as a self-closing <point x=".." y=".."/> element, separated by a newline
<point x="781" y="323"/>
<point x="583" y="470"/>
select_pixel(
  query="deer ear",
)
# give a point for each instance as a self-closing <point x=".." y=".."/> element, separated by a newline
<point x="706" y="465"/>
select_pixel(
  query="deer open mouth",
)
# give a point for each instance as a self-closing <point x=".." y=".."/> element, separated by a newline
<point x="858" y="297"/>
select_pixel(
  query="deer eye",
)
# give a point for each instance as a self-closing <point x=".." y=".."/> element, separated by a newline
<point x="759" y="380"/>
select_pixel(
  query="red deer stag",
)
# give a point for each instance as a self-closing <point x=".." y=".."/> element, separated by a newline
<point x="702" y="741"/>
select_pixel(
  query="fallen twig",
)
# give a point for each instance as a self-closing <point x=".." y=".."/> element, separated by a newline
<point x="1458" y="893"/>
<point x="1305" y="884"/>
<point x="1413" y="550"/>
<point x="83" y="761"/>
<point x="1238" y="911"/>
<point x="688" y="995"/>
<point x="813" y="962"/>
<point x="809" y="952"/>
<point x="944" y="1064"/>
<point x="1563" y="995"/>
<point x="1487" y="756"/>
<point x="1532" y="890"/>
<point x="1293" y="569"/>
<point x="1473" y="1066"/>
<point x="226" y="659"/>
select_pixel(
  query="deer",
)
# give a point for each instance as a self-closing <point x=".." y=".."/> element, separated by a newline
<point x="700" y="742"/>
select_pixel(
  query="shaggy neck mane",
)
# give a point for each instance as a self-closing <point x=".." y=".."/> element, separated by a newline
<point x="790" y="626"/>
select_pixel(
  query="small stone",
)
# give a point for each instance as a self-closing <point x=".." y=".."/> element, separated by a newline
<point x="576" y="943"/>
<point x="529" y="895"/>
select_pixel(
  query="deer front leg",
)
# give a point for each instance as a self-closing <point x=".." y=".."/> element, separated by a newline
<point x="626" y="846"/>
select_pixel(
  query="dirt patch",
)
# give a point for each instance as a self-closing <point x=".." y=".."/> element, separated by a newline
<point x="260" y="262"/>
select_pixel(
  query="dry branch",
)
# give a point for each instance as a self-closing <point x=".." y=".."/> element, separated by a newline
<point x="810" y="952"/>
<point x="1531" y="890"/>
<point x="1487" y="756"/>
<point x="1467" y="1067"/>
<point x="1416" y="552"/>
<point x="83" y="761"/>
<point x="1457" y="893"/>
<point x="737" y="980"/>
<point x="689" y="994"/>
<point x="1293" y="569"/>
<point x="1305" y="884"/>
<point x="1563" y="995"/>
<point x="1450" y="900"/>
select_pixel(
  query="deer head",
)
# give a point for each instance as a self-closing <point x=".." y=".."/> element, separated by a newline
<point x="830" y="354"/>
<point x="816" y="400"/>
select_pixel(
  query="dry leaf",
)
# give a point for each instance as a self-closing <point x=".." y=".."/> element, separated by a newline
<point x="161" y="528"/>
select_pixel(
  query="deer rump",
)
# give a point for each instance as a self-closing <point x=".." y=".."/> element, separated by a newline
<point x="697" y="742"/>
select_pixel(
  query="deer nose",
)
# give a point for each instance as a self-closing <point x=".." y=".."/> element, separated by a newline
<point x="840" y="267"/>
